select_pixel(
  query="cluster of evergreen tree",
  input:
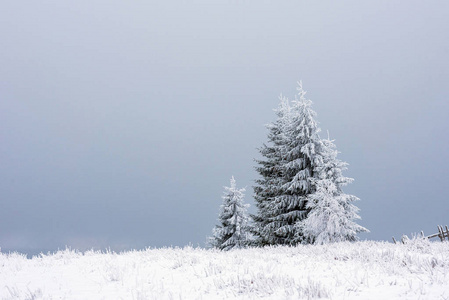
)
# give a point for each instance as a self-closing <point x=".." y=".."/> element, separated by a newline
<point x="299" y="196"/>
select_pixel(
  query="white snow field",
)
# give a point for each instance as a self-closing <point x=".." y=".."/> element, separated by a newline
<point x="361" y="270"/>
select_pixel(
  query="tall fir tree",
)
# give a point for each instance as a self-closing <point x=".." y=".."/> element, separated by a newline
<point x="233" y="230"/>
<point x="299" y="196"/>
<point x="287" y="173"/>
<point x="332" y="212"/>
<point x="268" y="187"/>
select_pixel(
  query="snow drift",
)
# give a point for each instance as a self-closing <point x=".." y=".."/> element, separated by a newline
<point x="360" y="270"/>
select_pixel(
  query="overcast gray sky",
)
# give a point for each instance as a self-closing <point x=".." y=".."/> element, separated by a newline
<point x="121" y="121"/>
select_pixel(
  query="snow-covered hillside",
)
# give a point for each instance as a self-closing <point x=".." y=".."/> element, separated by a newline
<point x="362" y="270"/>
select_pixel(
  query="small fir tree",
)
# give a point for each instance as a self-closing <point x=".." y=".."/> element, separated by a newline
<point x="233" y="230"/>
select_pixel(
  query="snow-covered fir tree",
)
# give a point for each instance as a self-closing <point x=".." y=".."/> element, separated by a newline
<point x="268" y="187"/>
<point x="299" y="167"/>
<point x="287" y="172"/>
<point x="332" y="212"/>
<point x="233" y="231"/>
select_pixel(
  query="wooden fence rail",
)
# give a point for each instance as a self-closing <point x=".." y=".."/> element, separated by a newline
<point x="442" y="233"/>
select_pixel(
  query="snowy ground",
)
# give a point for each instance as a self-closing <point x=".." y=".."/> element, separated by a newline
<point x="362" y="270"/>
